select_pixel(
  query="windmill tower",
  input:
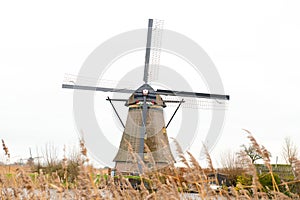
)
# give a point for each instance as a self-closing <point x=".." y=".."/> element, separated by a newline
<point x="144" y="126"/>
<point x="145" y="123"/>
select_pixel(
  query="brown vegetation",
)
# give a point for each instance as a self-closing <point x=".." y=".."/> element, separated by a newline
<point x="55" y="182"/>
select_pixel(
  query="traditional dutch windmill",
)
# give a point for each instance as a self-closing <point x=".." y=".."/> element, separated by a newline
<point x="145" y="123"/>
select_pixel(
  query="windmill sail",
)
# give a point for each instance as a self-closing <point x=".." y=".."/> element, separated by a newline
<point x="153" y="50"/>
<point x="156" y="41"/>
<point x="148" y="49"/>
<point x="192" y="94"/>
<point x="92" y="88"/>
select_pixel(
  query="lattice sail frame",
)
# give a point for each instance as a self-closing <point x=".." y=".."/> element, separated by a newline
<point x="157" y="32"/>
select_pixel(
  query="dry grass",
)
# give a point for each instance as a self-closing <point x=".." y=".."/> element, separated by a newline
<point x="171" y="183"/>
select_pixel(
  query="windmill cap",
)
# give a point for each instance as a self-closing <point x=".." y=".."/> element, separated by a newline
<point x="149" y="92"/>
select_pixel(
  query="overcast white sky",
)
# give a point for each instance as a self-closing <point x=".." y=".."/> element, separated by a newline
<point x="255" y="46"/>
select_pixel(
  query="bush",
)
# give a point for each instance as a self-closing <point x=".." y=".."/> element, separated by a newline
<point x="245" y="180"/>
<point x="71" y="170"/>
<point x="266" y="181"/>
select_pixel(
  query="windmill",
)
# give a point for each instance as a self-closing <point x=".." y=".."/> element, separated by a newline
<point x="145" y="123"/>
<point x="30" y="160"/>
